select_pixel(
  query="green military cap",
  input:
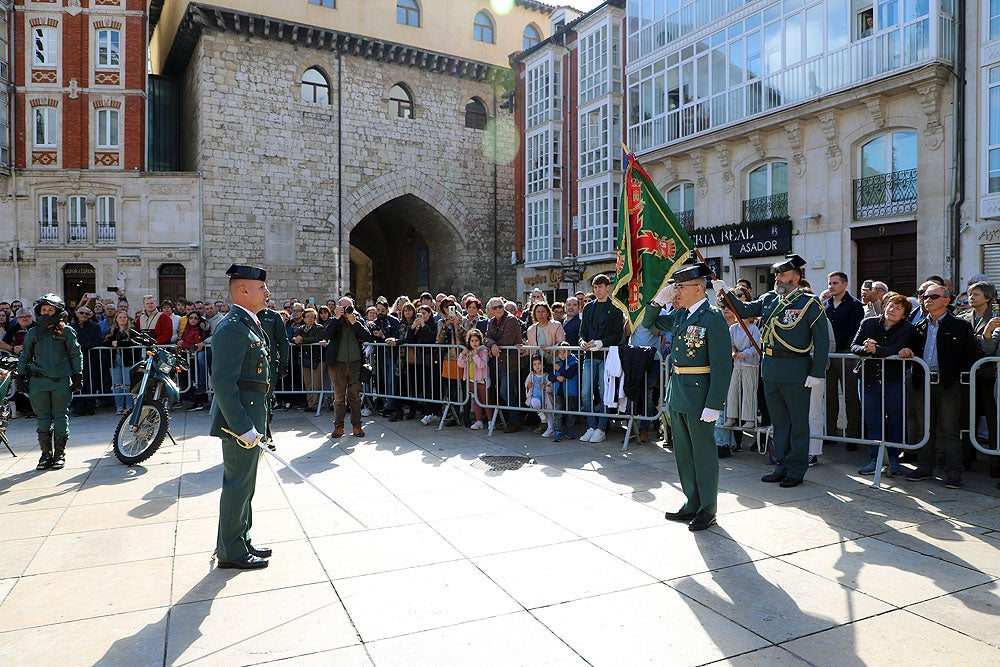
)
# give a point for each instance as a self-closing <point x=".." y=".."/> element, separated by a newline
<point x="240" y="271"/>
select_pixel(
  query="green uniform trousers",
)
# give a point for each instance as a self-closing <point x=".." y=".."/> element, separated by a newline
<point x="788" y="406"/>
<point x="239" y="479"/>
<point x="50" y="399"/>
<point x="697" y="461"/>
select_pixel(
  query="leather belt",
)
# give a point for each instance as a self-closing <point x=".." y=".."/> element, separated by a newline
<point x="692" y="370"/>
<point x="784" y="354"/>
<point x="250" y="385"/>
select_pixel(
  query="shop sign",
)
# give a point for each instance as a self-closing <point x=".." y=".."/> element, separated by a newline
<point x="552" y="277"/>
<point x="773" y="239"/>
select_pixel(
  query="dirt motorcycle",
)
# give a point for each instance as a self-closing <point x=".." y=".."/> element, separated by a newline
<point x="154" y="387"/>
<point x="8" y="369"/>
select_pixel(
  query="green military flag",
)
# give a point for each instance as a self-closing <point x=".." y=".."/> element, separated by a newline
<point x="651" y="243"/>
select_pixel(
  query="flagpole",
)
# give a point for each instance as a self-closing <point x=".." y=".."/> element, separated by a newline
<point x="629" y="157"/>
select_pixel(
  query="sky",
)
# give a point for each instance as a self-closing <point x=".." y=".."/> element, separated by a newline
<point x="582" y="5"/>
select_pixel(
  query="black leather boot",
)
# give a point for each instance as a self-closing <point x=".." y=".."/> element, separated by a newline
<point x="59" y="456"/>
<point x="45" y="443"/>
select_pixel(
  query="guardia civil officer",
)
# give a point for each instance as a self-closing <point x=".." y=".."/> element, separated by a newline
<point x="52" y="364"/>
<point x="278" y="345"/>
<point x="792" y="323"/>
<point x="702" y="364"/>
<point x="241" y="376"/>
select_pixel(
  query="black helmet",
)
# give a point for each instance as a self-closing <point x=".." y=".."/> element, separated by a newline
<point x="50" y="300"/>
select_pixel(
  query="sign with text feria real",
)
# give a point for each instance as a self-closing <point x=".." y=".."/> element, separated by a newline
<point x="651" y="243"/>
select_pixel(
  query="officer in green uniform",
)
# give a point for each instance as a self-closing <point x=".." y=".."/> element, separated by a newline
<point x="52" y="364"/>
<point x="792" y="324"/>
<point x="702" y="364"/>
<point x="241" y="376"/>
<point x="277" y="343"/>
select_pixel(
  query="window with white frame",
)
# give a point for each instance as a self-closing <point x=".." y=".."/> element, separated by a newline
<point x="531" y="37"/>
<point x="108" y="49"/>
<point x="537" y="154"/>
<point x="46" y="127"/>
<point x="44" y="47"/>
<point x="598" y="219"/>
<point x="106" y="219"/>
<point x="888" y="170"/>
<point x="680" y="199"/>
<point x="48" y="218"/>
<point x="76" y="218"/>
<point x="543" y="91"/>
<point x="594" y="70"/>
<point x="543" y="229"/>
<point x="768" y="180"/>
<point x="993" y="20"/>
<point x="482" y="28"/>
<point x="594" y="141"/>
<point x="107" y="128"/>
<point x="4" y="127"/>
<point x="993" y="100"/>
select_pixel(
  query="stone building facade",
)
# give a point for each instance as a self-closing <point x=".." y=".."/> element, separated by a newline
<point x="340" y="161"/>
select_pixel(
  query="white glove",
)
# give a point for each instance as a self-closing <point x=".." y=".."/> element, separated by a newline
<point x="666" y="295"/>
<point x="596" y="344"/>
<point x="719" y="286"/>
<point x="812" y="383"/>
<point x="709" y="415"/>
<point x="251" y="436"/>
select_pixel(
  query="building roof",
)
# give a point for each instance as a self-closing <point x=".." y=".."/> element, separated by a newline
<point x="558" y="35"/>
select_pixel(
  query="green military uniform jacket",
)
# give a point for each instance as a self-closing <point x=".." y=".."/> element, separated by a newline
<point x="53" y="356"/>
<point x="239" y="352"/>
<point x="791" y="328"/>
<point x="699" y="340"/>
<point x="277" y="342"/>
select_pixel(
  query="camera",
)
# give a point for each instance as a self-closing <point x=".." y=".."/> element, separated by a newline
<point x="348" y="310"/>
<point x="867" y="284"/>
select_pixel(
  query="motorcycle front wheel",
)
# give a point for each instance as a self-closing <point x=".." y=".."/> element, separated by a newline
<point x="135" y="445"/>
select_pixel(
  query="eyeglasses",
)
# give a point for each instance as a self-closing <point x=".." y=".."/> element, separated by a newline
<point x="962" y="302"/>
<point x="931" y="297"/>
<point x="683" y="286"/>
<point x="496" y="307"/>
<point x="24" y="317"/>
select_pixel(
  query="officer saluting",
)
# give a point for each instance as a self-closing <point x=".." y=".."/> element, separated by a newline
<point x="241" y="376"/>
<point x="792" y="324"/>
<point x="702" y="363"/>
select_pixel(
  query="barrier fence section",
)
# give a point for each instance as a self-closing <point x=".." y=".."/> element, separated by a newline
<point x="984" y="406"/>
<point x="106" y="370"/>
<point x="598" y="392"/>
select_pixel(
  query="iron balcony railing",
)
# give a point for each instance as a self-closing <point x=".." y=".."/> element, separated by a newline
<point x="686" y="220"/>
<point x="885" y="195"/>
<point x="77" y="233"/>
<point x="48" y="232"/>
<point x="106" y="234"/>
<point x="763" y="209"/>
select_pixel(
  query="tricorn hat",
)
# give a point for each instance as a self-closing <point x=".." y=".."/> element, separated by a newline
<point x="692" y="272"/>
<point x="237" y="271"/>
<point x="791" y="262"/>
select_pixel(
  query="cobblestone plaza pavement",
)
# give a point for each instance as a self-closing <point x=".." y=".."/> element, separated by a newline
<point x="564" y="561"/>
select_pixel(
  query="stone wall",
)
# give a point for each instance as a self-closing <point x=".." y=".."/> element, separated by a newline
<point x="270" y="166"/>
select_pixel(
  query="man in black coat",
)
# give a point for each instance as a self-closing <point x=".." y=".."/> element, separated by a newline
<point x="949" y="348"/>
<point x="346" y="334"/>
<point x="845" y="314"/>
<point x="88" y="334"/>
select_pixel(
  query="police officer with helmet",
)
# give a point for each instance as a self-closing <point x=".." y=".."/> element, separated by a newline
<point x="51" y="363"/>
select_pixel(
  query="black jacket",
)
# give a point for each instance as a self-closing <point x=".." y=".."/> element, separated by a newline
<point x="334" y="331"/>
<point x="845" y="318"/>
<point x="887" y="343"/>
<point x="637" y="364"/>
<point x="957" y="348"/>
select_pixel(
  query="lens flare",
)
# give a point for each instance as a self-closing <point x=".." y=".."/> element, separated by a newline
<point x="507" y="141"/>
<point x="502" y="6"/>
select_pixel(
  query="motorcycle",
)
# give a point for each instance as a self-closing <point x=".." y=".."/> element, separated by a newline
<point x="154" y="388"/>
<point x="8" y="369"/>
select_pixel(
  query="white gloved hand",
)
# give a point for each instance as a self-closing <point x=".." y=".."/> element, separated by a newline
<point x="709" y="415"/>
<point x="596" y="344"/>
<point x="251" y="436"/>
<point x="812" y="383"/>
<point x="719" y="286"/>
<point x="666" y="295"/>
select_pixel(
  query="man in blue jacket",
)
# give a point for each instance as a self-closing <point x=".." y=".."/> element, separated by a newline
<point x="845" y="314"/>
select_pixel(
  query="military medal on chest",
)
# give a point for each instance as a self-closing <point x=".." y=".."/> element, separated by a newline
<point x="790" y="315"/>
<point x="694" y="338"/>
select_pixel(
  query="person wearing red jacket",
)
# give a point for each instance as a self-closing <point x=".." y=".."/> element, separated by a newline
<point x="153" y="322"/>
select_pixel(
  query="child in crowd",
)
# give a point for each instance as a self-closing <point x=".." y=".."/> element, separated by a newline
<point x="538" y="392"/>
<point x="563" y="379"/>
<point x="741" y="404"/>
<point x="473" y="363"/>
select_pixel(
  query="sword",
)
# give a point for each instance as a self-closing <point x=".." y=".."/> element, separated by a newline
<point x="259" y="443"/>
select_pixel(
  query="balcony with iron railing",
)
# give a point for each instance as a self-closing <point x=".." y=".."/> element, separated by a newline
<point x="48" y="232"/>
<point x="765" y="209"/>
<point x="686" y="220"/>
<point x="105" y="233"/>
<point x="885" y="195"/>
<point x="77" y="233"/>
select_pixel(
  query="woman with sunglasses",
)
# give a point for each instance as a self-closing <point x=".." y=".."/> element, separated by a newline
<point x="983" y="313"/>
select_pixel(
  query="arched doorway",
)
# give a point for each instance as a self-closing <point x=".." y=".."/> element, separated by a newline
<point x="173" y="282"/>
<point x="410" y="247"/>
<point x="78" y="280"/>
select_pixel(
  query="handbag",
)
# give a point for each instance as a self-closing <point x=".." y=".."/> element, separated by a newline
<point x="367" y="373"/>
<point x="450" y="369"/>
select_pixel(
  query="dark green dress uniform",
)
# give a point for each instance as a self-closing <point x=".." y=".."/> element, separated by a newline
<point x="51" y="360"/>
<point x="241" y="375"/>
<point x="702" y="361"/>
<point x="277" y="344"/>
<point x="791" y="327"/>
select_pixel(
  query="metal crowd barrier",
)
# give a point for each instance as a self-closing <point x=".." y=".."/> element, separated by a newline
<point x="983" y="387"/>
<point x="98" y="363"/>
<point x="408" y="375"/>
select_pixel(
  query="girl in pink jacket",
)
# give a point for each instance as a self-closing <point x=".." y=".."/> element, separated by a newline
<point x="474" y="365"/>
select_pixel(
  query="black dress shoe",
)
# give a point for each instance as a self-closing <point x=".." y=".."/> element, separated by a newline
<point x="724" y="452"/>
<point x="259" y="552"/>
<point x="789" y="482"/>
<point x="773" y="477"/>
<point x="701" y="521"/>
<point x="679" y="516"/>
<point x="244" y="562"/>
